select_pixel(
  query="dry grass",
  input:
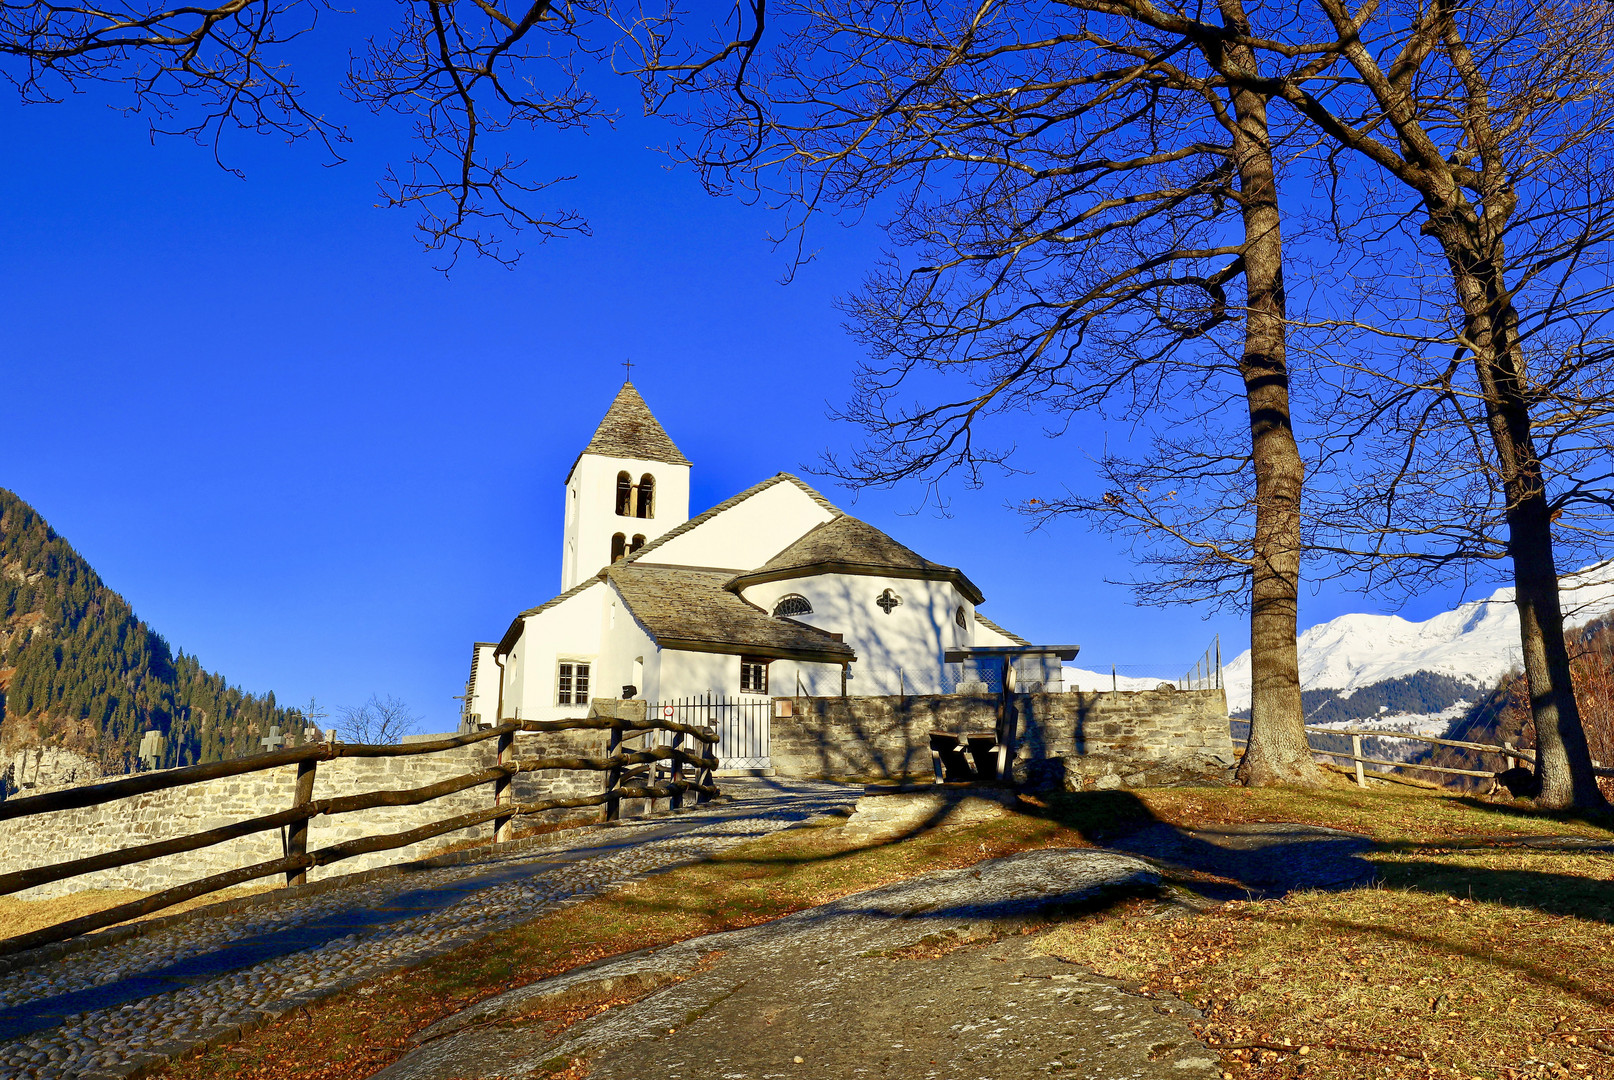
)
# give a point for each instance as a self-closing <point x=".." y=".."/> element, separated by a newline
<point x="1411" y="984"/>
<point x="357" y="1033"/>
<point x="1472" y="958"/>
<point x="22" y="916"/>
<point x="1516" y="982"/>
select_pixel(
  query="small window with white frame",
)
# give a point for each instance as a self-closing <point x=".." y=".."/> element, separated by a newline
<point x="753" y="675"/>
<point x="571" y="683"/>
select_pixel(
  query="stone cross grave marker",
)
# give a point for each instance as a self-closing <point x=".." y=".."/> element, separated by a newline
<point x="274" y="740"/>
<point x="151" y="748"/>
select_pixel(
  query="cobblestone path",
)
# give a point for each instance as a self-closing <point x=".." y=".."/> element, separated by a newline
<point x="115" y="1010"/>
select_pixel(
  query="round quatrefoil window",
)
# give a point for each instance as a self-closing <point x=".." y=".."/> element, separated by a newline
<point x="888" y="601"/>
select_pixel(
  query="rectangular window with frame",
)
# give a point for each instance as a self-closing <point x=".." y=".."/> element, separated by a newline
<point x="753" y="675"/>
<point x="572" y="684"/>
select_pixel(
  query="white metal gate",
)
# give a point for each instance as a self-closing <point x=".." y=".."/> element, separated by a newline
<point x="743" y="726"/>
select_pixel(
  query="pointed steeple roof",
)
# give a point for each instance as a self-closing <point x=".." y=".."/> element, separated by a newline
<point x="630" y="430"/>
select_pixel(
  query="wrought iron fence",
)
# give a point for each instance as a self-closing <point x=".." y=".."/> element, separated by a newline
<point x="743" y="726"/>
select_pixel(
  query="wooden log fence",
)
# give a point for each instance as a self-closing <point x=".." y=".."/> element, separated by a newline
<point x="293" y="822"/>
<point x="1510" y="754"/>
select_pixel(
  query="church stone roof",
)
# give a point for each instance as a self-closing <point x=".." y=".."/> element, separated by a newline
<point x="1010" y="634"/>
<point x="684" y="608"/>
<point x="845" y="545"/>
<point x="630" y="430"/>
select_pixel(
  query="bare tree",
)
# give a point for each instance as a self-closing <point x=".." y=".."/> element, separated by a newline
<point x="463" y="72"/>
<point x="466" y="73"/>
<point x="1089" y="209"/>
<point x="379" y="720"/>
<point x="1494" y="122"/>
<point x="197" y="71"/>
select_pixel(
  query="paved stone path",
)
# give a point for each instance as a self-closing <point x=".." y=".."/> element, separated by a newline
<point x="839" y="991"/>
<point x="110" y="1011"/>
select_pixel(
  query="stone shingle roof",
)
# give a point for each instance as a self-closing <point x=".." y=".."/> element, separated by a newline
<point x="630" y="430"/>
<point x="1010" y="634"/>
<point x="846" y="545"/>
<point x="684" y="608"/>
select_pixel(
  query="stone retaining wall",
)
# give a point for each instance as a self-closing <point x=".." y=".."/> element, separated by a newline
<point x="44" y="839"/>
<point x="1132" y="737"/>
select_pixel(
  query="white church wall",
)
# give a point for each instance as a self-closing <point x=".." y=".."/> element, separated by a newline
<point x="896" y="652"/>
<point x="568" y="631"/>
<point x="745" y="536"/>
<point x="685" y="673"/>
<point x="591" y="517"/>
<point x="622" y="642"/>
<point x="802" y="678"/>
<point x="484" y="686"/>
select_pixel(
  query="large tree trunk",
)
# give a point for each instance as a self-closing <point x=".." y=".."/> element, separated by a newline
<point x="1277" y="752"/>
<point x="1478" y="261"/>
<point x="1563" y="757"/>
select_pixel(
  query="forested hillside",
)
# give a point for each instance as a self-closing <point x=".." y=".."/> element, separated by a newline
<point x="1422" y="692"/>
<point x="79" y="670"/>
<point x="1505" y="714"/>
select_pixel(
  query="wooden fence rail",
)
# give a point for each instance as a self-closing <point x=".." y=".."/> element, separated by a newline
<point x="642" y="783"/>
<point x="1510" y="754"/>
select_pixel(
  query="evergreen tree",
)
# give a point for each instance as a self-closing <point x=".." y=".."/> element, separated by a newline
<point x="78" y="669"/>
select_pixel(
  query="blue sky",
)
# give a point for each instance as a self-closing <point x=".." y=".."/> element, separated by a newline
<point x="324" y="468"/>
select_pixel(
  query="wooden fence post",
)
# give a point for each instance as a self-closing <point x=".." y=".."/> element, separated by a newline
<point x="613" y="775"/>
<point x="297" y="842"/>
<point x="703" y="775"/>
<point x="1356" y="752"/>
<point x="675" y="772"/>
<point x="1513" y="762"/>
<point x="502" y="795"/>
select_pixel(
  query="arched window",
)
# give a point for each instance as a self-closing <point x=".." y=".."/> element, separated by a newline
<point x="960" y="618"/>
<point x="624" y="494"/>
<point x="638" y="542"/>
<point x="647" y="497"/>
<point x="792" y="605"/>
<point x="619" y="547"/>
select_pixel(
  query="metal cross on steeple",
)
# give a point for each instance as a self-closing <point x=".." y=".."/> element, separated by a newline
<point x="628" y="364"/>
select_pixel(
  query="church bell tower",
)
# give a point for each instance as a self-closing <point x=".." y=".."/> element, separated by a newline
<point x="628" y="487"/>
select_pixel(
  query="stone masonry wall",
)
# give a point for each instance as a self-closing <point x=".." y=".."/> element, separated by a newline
<point x="1127" y="735"/>
<point x="44" y="839"/>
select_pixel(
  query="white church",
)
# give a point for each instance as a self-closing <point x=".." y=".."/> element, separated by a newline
<point x="772" y="593"/>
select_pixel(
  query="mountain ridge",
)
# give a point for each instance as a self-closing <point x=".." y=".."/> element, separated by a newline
<point x="1476" y="643"/>
<point x="79" y="670"/>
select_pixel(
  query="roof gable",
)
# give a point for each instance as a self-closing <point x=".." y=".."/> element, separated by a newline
<point x="631" y="430"/>
<point x="845" y="545"/>
<point x="685" y="608"/>
<point x="512" y="635"/>
<point x="744" y="531"/>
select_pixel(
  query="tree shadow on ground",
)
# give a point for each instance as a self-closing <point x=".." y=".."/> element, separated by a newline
<point x="1523" y="809"/>
<point x="1270" y="859"/>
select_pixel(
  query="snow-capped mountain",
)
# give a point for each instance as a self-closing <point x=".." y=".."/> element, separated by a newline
<point x="1477" y="642"/>
<point x="1081" y="679"/>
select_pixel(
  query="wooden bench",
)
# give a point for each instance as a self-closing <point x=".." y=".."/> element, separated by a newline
<point x="964" y="756"/>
